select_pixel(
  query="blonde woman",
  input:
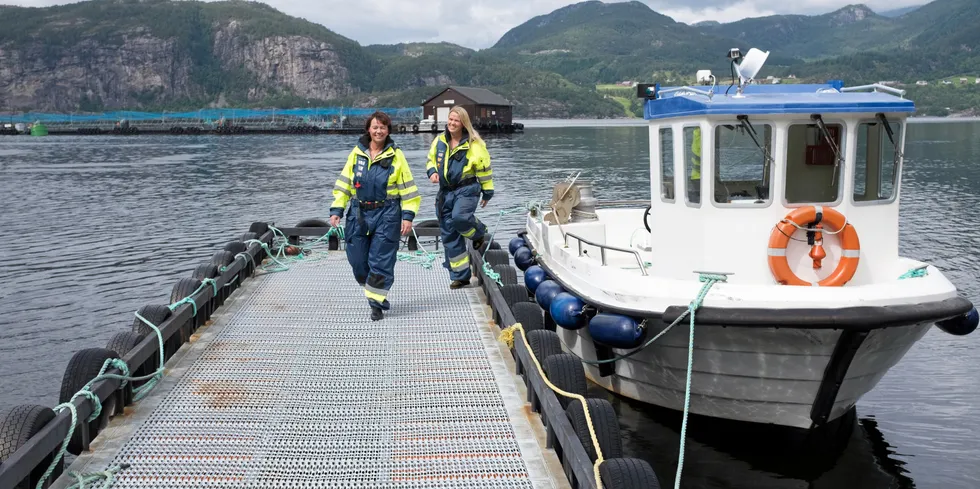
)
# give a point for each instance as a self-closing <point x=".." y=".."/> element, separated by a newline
<point x="460" y="164"/>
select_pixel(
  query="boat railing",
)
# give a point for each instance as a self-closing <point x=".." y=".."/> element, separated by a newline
<point x="874" y="87"/>
<point x="603" y="248"/>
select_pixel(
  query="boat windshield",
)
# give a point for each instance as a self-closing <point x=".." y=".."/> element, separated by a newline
<point x="743" y="163"/>
<point x="813" y="162"/>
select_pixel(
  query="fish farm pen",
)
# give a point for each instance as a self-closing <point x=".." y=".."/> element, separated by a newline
<point x="261" y="368"/>
<point x="317" y="120"/>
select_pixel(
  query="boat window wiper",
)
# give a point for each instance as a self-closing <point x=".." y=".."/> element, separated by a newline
<point x="891" y="134"/>
<point x="826" y="136"/>
<point x="744" y="121"/>
<point x="838" y="158"/>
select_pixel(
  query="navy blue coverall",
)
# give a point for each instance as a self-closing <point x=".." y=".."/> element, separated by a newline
<point x="464" y="174"/>
<point x="382" y="194"/>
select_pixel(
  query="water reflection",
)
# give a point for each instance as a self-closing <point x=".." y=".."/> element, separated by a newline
<point x="723" y="454"/>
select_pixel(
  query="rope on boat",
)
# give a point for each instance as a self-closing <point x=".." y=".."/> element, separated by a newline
<point x="709" y="279"/>
<point x="915" y="273"/>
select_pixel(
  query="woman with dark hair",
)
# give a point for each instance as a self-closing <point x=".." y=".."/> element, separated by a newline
<point x="383" y="198"/>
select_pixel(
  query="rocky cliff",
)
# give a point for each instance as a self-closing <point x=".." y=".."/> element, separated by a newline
<point x="84" y="64"/>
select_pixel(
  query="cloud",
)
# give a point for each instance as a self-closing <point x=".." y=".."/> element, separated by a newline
<point x="480" y="23"/>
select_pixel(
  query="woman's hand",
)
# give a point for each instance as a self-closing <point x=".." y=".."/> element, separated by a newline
<point x="483" y="203"/>
<point x="434" y="178"/>
<point x="406" y="227"/>
<point x="335" y="221"/>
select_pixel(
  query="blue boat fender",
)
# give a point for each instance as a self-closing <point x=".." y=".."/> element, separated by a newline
<point x="533" y="277"/>
<point x="546" y="292"/>
<point x="568" y="311"/>
<point x="961" y="325"/>
<point x="615" y="330"/>
<point x="515" y="243"/>
<point x="523" y="258"/>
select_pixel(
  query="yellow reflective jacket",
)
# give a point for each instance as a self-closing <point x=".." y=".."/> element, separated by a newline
<point x="470" y="159"/>
<point x="386" y="177"/>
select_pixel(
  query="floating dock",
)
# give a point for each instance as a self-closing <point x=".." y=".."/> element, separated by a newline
<point x="309" y="121"/>
<point x="276" y="377"/>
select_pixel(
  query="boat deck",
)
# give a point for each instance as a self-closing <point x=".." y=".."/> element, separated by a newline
<point x="292" y="386"/>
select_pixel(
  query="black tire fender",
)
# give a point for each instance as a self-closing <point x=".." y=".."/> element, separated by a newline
<point x="604" y="423"/>
<point x="84" y="366"/>
<point x="17" y="426"/>
<point x="565" y="371"/>
<point x="529" y="314"/>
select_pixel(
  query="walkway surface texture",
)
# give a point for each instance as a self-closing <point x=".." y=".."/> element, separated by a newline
<point x="293" y="386"/>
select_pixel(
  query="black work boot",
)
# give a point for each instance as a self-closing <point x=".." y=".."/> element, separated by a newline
<point x="459" y="283"/>
<point x="376" y="313"/>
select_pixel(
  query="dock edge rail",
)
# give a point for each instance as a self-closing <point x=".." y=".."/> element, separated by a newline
<point x="574" y="460"/>
<point x="33" y="457"/>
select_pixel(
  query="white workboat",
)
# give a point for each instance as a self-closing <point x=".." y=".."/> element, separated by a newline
<point x="797" y="204"/>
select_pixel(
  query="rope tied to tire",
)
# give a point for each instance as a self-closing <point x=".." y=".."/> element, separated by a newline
<point x="188" y="300"/>
<point x="709" y="279"/>
<point x="86" y="392"/>
<point x="507" y="335"/>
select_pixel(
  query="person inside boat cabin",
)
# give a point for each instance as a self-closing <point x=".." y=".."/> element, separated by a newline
<point x="694" y="183"/>
<point x="377" y="183"/>
<point x="460" y="163"/>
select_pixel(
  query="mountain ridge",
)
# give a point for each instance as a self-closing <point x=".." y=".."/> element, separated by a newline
<point x="145" y="54"/>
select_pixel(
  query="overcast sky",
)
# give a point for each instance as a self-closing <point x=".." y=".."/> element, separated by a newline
<point x="480" y="23"/>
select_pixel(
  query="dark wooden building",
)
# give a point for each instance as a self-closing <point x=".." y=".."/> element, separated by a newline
<point x="488" y="111"/>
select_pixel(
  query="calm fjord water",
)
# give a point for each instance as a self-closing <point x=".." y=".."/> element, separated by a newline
<point x="98" y="226"/>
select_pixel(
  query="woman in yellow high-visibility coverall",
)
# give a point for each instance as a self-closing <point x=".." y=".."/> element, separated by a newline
<point x="460" y="164"/>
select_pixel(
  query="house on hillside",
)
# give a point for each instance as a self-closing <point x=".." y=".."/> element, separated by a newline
<point x="488" y="111"/>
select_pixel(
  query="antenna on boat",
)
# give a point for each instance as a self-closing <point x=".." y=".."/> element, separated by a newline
<point x="748" y="67"/>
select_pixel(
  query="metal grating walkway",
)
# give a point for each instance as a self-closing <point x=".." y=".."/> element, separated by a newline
<point x="299" y="389"/>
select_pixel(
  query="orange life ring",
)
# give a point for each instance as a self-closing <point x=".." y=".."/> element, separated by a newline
<point x="801" y="218"/>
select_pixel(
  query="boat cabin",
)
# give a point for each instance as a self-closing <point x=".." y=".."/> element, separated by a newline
<point x="726" y="169"/>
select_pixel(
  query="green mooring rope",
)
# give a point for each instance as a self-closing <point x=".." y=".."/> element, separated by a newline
<point x="151" y="380"/>
<point x="915" y="273"/>
<point x="709" y="280"/>
<point x="487" y="269"/>
<point x="421" y="257"/>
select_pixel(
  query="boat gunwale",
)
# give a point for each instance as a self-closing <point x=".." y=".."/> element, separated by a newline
<point x="855" y="318"/>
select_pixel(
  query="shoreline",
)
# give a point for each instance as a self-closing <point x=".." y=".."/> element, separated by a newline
<point x="638" y="122"/>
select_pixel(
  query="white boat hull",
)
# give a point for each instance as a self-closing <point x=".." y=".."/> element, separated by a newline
<point x="761" y="375"/>
<point x="765" y="353"/>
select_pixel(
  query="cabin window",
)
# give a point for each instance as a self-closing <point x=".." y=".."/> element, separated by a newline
<point x="814" y="163"/>
<point x="743" y="163"/>
<point x="667" y="164"/>
<point x="693" y="150"/>
<point x="876" y="165"/>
